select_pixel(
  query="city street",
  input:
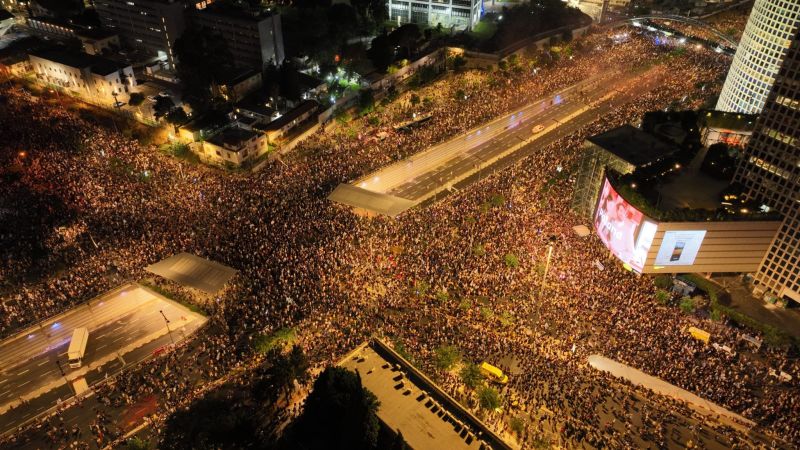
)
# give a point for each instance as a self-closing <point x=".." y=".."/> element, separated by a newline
<point x="427" y="173"/>
<point x="125" y="326"/>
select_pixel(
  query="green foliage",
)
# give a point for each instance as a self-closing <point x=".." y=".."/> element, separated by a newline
<point x="465" y="304"/>
<point x="471" y="375"/>
<point x="517" y="425"/>
<point x="446" y="357"/>
<point x="137" y="443"/>
<point x="715" y="315"/>
<point x="264" y="343"/>
<point x="663" y="281"/>
<point x="497" y="200"/>
<point x="773" y="336"/>
<point x="460" y="95"/>
<point x="203" y="58"/>
<point x="488" y="398"/>
<point x="442" y="296"/>
<point x="506" y="319"/>
<point x="687" y="305"/>
<point x="414" y="100"/>
<point x="479" y="250"/>
<point x="278" y="373"/>
<point x="511" y="260"/>
<point x="366" y="102"/>
<point x="400" y="348"/>
<point x="486" y="312"/>
<point x="374" y="120"/>
<point x="177" y="116"/>
<point x="136" y="99"/>
<point x="662" y="297"/>
<point x="421" y="287"/>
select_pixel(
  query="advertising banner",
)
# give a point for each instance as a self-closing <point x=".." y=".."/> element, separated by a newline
<point x="623" y="228"/>
<point x="679" y="248"/>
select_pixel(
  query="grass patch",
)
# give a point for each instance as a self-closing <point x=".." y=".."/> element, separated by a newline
<point x="264" y="343"/>
<point x="174" y="297"/>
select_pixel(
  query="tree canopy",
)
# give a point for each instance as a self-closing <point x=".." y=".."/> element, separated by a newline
<point x="203" y="58"/>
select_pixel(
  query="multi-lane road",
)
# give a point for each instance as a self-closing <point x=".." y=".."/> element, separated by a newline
<point x="125" y="326"/>
<point x="479" y="150"/>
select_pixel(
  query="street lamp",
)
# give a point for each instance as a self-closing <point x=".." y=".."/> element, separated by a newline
<point x="553" y="239"/>
<point x="168" y="329"/>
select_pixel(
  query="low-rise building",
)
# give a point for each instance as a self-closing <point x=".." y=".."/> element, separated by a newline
<point x="233" y="146"/>
<point x="294" y="117"/>
<point x="91" y="76"/>
<point x="237" y="84"/>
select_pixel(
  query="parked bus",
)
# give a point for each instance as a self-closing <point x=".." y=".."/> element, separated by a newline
<point x="493" y="373"/>
<point x="77" y="347"/>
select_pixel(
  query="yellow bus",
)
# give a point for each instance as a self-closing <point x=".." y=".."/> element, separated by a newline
<point x="493" y="373"/>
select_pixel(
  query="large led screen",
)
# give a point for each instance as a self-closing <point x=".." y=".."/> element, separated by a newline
<point x="679" y="248"/>
<point x="623" y="228"/>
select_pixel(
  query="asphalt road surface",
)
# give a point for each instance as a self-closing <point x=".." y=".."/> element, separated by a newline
<point x="125" y="326"/>
<point x="446" y="165"/>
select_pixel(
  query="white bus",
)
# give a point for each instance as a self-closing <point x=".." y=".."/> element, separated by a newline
<point x="77" y="347"/>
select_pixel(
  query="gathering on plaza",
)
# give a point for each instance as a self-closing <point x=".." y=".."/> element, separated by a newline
<point x="493" y="269"/>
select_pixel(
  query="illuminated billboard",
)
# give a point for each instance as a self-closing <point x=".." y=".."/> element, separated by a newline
<point x="680" y="248"/>
<point x="623" y="228"/>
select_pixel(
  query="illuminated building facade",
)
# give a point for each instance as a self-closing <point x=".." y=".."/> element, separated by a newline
<point x="770" y="28"/>
<point x="771" y="172"/>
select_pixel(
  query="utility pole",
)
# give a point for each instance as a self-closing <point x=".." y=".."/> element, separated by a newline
<point x="168" y="329"/>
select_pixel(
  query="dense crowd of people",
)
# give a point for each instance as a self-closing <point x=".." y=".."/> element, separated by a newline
<point x="85" y="207"/>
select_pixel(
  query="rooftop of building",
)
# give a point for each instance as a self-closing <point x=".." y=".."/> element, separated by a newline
<point x="235" y="11"/>
<point x="410" y="402"/>
<point x="97" y="64"/>
<point x="95" y="33"/>
<point x="236" y="75"/>
<point x="232" y="138"/>
<point x="303" y="108"/>
<point x="727" y="120"/>
<point x="633" y="145"/>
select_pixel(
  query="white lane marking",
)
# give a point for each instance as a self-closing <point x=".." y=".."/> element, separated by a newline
<point x="43" y="363"/>
<point x="23" y="384"/>
<point x="101" y="346"/>
<point x="4" y="393"/>
<point x="24" y="372"/>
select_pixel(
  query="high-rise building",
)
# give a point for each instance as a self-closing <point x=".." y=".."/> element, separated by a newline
<point x="461" y="14"/>
<point x="151" y="25"/>
<point x="770" y="28"/>
<point x="770" y="170"/>
<point x="254" y="38"/>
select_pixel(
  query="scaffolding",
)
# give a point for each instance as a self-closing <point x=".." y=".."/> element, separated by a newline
<point x="591" y="172"/>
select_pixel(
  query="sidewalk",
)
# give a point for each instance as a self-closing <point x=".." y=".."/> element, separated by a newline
<point x="660" y="386"/>
<point x="742" y="300"/>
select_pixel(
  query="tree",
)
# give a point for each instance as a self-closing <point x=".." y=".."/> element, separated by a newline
<point x="340" y="414"/>
<point x="406" y="36"/>
<point x="177" y="116"/>
<point x="290" y="82"/>
<point x="446" y="357"/>
<point x="163" y="106"/>
<point x="366" y="101"/>
<point x="381" y="52"/>
<point x="687" y="305"/>
<point x="342" y="23"/>
<point x="137" y="443"/>
<point x="414" y="100"/>
<point x="203" y="58"/>
<point x="377" y="9"/>
<point x="488" y="398"/>
<point x="471" y="375"/>
<point x="214" y="421"/>
<point x="136" y="99"/>
<point x="279" y="372"/>
<point x="662" y="297"/>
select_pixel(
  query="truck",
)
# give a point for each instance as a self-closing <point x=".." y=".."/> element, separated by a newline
<point x="77" y="347"/>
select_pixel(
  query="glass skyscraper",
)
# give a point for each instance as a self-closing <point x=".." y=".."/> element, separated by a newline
<point x="770" y="170"/>
<point x="770" y="28"/>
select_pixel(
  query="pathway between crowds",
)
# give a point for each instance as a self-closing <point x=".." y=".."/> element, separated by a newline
<point x="660" y="386"/>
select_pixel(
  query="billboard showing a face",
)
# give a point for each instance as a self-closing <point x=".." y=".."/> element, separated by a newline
<point x="623" y="228"/>
<point x="679" y="248"/>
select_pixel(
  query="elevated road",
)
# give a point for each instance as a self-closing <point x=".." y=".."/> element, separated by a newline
<point x="465" y="158"/>
<point x="125" y="326"/>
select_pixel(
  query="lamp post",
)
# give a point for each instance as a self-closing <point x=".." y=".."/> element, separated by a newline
<point x="168" y="329"/>
<point x="553" y="239"/>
